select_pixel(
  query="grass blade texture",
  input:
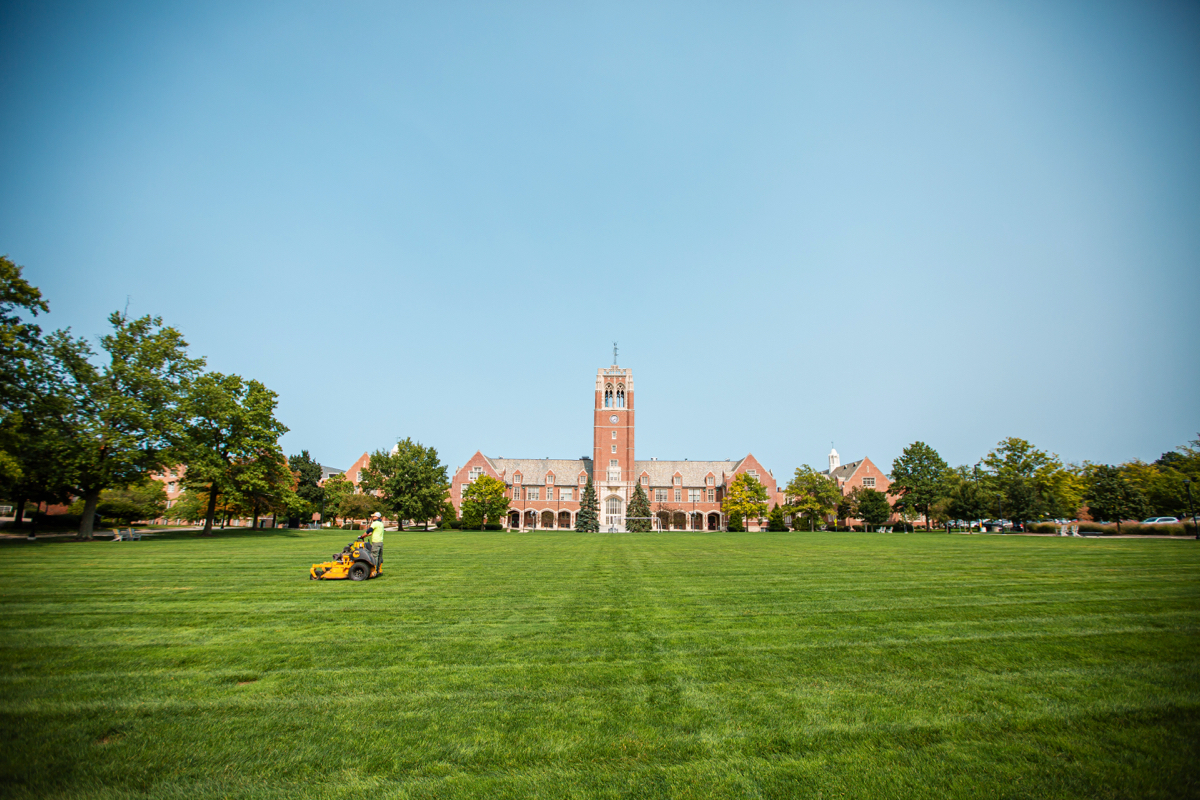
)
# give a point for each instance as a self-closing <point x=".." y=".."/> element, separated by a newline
<point x="561" y="664"/>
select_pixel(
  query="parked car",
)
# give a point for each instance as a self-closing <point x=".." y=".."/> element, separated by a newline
<point x="1161" y="521"/>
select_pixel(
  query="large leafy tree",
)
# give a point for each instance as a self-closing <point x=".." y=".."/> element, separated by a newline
<point x="967" y="496"/>
<point x="230" y="437"/>
<point x="410" y="480"/>
<point x="146" y="499"/>
<point x="308" y="492"/>
<point x="20" y="356"/>
<point x="118" y="421"/>
<point x="588" y="518"/>
<point x="1031" y="483"/>
<point x="871" y="506"/>
<point x="1111" y="496"/>
<point x="919" y="475"/>
<point x="337" y="489"/>
<point x="812" y="495"/>
<point x="746" y="497"/>
<point x="637" y="516"/>
<point x="484" y="499"/>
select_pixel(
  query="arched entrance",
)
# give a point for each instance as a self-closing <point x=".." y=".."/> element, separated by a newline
<point x="548" y="520"/>
<point x="696" y="521"/>
<point x="614" y="514"/>
<point x="664" y="520"/>
<point x="678" y="521"/>
<point x="714" y="521"/>
<point x="514" y="519"/>
<point x="531" y="519"/>
<point x="564" y="520"/>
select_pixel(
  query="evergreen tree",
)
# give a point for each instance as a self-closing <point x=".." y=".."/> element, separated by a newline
<point x="639" y="506"/>
<point x="775" y="521"/>
<point x="735" y="523"/>
<point x="588" y="519"/>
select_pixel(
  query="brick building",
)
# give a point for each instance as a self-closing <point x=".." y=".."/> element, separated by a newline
<point x="858" y="474"/>
<point x="545" y="493"/>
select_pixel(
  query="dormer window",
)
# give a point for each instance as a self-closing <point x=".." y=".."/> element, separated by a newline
<point x="710" y="480"/>
<point x="549" y="480"/>
<point x="678" y="481"/>
<point x="582" y="479"/>
<point x="645" y="480"/>
<point x="517" y="478"/>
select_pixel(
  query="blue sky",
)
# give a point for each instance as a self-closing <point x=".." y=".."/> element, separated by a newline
<point x="866" y="223"/>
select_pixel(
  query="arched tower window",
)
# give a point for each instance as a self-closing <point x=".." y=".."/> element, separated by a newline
<point x="608" y="395"/>
<point x="621" y="395"/>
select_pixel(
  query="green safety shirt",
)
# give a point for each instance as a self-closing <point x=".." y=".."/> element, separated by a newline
<point x="376" y="532"/>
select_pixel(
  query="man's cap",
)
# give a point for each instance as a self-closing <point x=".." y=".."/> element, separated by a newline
<point x="376" y="514"/>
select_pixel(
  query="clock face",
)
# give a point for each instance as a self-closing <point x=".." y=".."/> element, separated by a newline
<point x="613" y="418"/>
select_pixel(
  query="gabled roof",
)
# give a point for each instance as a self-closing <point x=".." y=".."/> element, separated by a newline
<point x="845" y="470"/>
<point x="693" y="472"/>
<point x="534" y="470"/>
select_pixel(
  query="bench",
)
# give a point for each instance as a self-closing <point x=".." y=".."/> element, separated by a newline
<point x="126" y="535"/>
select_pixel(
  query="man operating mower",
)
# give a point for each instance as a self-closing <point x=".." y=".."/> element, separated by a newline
<point x="374" y="532"/>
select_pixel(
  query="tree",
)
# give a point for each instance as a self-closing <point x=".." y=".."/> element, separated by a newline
<point x="359" y="505"/>
<point x="588" y="518"/>
<point x="119" y="422"/>
<point x="746" y="497"/>
<point x="775" y="520"/>
<point x="1111" y="496"/>
<point x="637" y="516"/>
<point x="230" y="433"/>
<point x="734" y="524"/>
<point x="919" y="476"/>
<point x="146" y="499"/>
<point x="968" y="499"/>
<point x="873" y="507"/>
<point x="21" y="350"/>
<point x="190" y="506"/>
<point x="411" y="481"/>
<point x="811" y="494"/>
<point x="337" y="489"/>
<point x="308" y="487"/>
<point x="1030" y="482"/>
<point x="484" y="499"/>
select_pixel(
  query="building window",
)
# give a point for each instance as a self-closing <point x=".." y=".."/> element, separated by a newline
<point x="614" y="433"/>
<point x="517" y="478"/>
<point x="608" y="396"/>
<point x="516" y="493"/>
<point x="614" y="448"/>
<point x="532" y="493"/>
<point x="549" y="492"/>
<point x="660" y="495"/>
<point x="709" y="480"/>
<point x="549" y="480"/>
<point x="678" y="481"/>
<point x="645" y="480"/>
<point x="582" y="479"/>
<point x="694" y="495"/>
<point x="475" y="473"/>
<point x="614" y="474"/>
<point x="711" y="495"/>
<point x="614" y="462"/>
<point x="621" y="396"/>
<point x="869" y="483"/>
<point x="753" y="473"/>
<point x="566" y="494"/>
<point x="678" y="495"/>
<point x="463" y="489"/>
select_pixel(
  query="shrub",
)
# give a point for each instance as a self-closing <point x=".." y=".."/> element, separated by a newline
<point x="1042" y="527"/>
<point x="493" y="526"/>
<point x="735" y="523"/>
<point x="902" y="527"/>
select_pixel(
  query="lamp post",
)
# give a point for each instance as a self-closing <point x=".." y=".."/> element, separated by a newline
<point x="1191" y="506"/>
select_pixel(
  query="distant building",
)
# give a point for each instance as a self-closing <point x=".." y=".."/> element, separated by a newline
<point x="858" y="474"/>
<point x="545" y="493"/>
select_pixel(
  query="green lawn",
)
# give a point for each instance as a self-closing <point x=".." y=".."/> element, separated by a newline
<point x="602" y="665"/>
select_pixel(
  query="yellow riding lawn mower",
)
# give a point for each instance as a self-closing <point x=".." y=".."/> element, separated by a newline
<point x="356" y="562"/>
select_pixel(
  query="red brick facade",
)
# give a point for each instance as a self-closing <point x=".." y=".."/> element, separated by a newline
<point x="545" y="493"/>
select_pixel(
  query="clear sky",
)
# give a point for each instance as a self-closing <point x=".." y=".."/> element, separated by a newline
<point x="866" y="223"/>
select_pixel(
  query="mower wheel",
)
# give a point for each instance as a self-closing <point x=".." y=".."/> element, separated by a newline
<point x="360" y="571"/>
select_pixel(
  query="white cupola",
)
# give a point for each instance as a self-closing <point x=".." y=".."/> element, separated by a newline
<point x="834" y="460"/>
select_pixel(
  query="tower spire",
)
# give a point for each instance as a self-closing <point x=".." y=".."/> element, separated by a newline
<point x="614" y="354"/>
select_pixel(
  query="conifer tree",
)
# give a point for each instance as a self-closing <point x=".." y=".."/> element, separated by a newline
<point x="588" y="518"/>
<point x="775" y="520"/>
<point x="638" y="515"/>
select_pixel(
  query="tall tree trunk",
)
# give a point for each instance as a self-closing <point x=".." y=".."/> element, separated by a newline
<point x="254" y="505"/>
<point x="87" y="521"/>
<point x="20" y="517"/>
<point x="212" y="509"/>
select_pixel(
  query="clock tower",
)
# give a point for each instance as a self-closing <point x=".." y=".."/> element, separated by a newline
<point x="612" y="444"/>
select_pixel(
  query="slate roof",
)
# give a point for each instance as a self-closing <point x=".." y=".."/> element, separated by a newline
<point x="693" y="472"/>
<point x="844" y="471"/>
<point x="533" y="470"/>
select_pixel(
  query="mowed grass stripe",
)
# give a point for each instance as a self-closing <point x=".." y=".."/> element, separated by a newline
<point x="666" y="665"/>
